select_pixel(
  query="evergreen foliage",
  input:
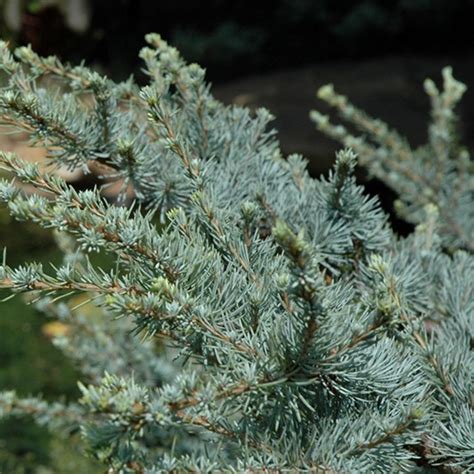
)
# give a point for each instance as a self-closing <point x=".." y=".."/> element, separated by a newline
<point x="439" y="173"/>
<point x="270" y="321"/>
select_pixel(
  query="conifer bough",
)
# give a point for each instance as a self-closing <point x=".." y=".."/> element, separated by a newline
<point x="254" y="319"/>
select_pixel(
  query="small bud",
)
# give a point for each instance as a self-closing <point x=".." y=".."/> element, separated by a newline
<point x="430" y="88"/>
<point x="164" y="287"/>
<point x="326" y="92"/>
<point x="248" y="210"/>
<point x="110" y="300"/>
<point x="378" y="264"/>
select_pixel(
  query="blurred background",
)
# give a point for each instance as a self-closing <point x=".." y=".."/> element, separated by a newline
<point x="271" y="53"/>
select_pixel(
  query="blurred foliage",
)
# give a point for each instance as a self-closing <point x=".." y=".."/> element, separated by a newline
<point x="221" y="46"/>
<point x="30" y="364"/>
<point x="240" y="37"/>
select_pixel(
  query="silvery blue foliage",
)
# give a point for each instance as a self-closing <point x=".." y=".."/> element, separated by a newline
<point x="255" y="319"/>
<point x="439" y="173"/>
